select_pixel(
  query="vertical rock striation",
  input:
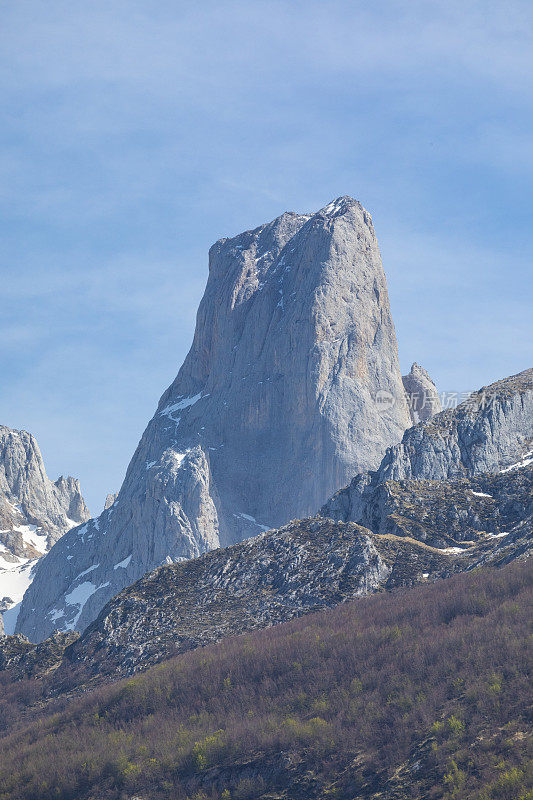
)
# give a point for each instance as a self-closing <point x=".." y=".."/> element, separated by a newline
<point x="273" y="409"/>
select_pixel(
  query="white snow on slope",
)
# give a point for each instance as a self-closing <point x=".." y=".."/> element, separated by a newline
<point x="16" y="575"/>
<point x="124" y="564"/>
<point x="13" y="583"/>
<point x="480" y="494"/>
<point x="78" y="597"/>
<point x="86" y="572"/>
<point x="247" y="517"/>
<point x="525" y="461"/>
<point x="169" y="410"/>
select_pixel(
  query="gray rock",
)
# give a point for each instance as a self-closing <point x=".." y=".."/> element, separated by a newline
<point x="28" y="496"/>
<point x="34" y="511"/>
<point x="275" y="407"/>
<point x="422" y="396"/>
<point x="489" y="432"/>
<point x="276" y="576"/>
<point x="110" y="499"/>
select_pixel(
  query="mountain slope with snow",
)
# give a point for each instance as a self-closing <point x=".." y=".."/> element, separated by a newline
<point x="34" y="514"/>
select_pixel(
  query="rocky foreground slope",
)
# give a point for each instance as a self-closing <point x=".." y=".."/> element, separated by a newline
<point x="273" y="409"/>
<point x="432" y="530"/>
<point x="302" y="567"/>
<point x="34" y="513"/>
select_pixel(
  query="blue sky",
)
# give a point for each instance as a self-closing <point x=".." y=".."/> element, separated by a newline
<point x="136" y="133"/>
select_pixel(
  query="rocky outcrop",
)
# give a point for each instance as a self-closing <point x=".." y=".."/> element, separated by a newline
<point x="489" y="432"/>
<point x="456" y="513"/>
<point x="34" y="514"/>
<point x="422" y="396"/>
<point x="276" y="406"/>
<point x="304" y="566"/>
<point x="110" y="499"/>
<point x="26" y="491"/>
<point x="26" y="660"/>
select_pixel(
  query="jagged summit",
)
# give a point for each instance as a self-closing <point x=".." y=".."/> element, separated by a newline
<point x="422" y="396"/>
<point x="273" y="409"/>
<point x="34" y="513"/>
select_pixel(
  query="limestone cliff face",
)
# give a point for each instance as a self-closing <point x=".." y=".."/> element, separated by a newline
<point x="26" y="490"/>
<point x="273" y="409"/>
<point x="491" y="431"/>
<point x="34" y="514"/>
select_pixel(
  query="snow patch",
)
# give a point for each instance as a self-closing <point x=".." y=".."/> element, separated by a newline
<point x="32" y="537"/>
<point x="78" y="597"/>
<point x="86" y="572"/>
<point x="171" y="409"/>
<point x="125" y="563"/>
<point x="480" y="494"/>
<point x="524" y="462"/>
<point x="13" y="583"/>
<point x="55" y="614"/>
<point x="334" y="206"/>
<point x="248" y="518"/>
<point x="10" y="619"/>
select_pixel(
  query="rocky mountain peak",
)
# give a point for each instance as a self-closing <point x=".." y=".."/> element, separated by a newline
<point x="273" y="409"/>
<point x="422" y="395"/>
<point x="34" y="513"/>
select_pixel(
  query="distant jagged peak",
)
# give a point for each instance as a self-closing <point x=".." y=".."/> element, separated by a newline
<point x="422" y="395"/>
<point x="110" y="499"/>
<point x="34" y="513"/>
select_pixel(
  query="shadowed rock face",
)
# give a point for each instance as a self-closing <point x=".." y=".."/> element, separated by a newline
<point x="490" y="432"/>
<point x="273" y="409"/>
<point x="34" y="514"/>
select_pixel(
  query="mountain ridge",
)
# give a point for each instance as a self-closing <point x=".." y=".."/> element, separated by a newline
<point x="487" y="432"/>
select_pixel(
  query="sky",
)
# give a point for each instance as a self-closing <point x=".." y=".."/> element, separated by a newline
<point x="136" y="133"/>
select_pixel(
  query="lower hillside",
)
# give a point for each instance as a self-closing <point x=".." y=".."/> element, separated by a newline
<point x="417" y="693"/>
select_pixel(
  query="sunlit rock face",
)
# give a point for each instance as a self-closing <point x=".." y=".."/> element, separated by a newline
<point x="273" y="410"/>
<point x="422" y="396"/>
<point x="34" y="513"/>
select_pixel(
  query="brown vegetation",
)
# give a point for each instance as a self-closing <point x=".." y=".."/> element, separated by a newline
<point x="420" y="693"/>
